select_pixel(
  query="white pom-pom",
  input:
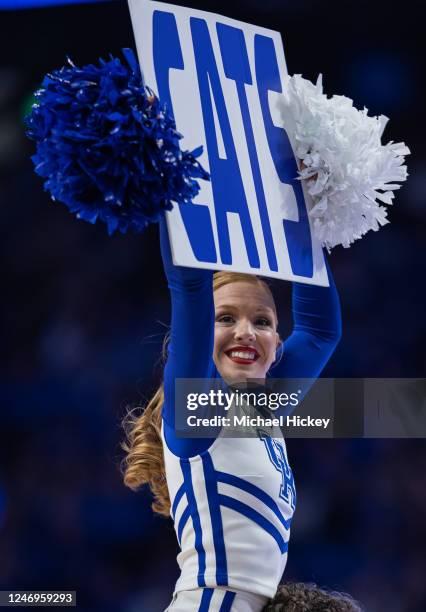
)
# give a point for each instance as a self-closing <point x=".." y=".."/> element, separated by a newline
<point x="351" y="173"/>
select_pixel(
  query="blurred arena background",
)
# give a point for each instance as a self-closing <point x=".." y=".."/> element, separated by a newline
<point x="84" y="316"/>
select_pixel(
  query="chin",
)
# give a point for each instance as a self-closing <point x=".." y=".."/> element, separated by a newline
<point x="240" y="375"/>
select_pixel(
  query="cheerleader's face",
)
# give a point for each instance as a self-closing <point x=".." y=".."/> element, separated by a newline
<point x="245" y="336"/>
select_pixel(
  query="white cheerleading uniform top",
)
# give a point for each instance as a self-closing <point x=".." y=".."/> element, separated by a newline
<point x="232" y="507"/>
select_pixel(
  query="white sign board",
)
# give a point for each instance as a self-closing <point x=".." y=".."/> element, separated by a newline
<point x="223" y="79"/>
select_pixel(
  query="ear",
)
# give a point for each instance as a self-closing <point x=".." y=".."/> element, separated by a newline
<point x="279" y="343"/>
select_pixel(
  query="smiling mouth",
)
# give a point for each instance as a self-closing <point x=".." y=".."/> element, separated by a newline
<point x="245" y="357"/>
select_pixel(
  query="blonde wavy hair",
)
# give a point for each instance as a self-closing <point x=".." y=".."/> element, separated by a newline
<point x="144" y="460"/>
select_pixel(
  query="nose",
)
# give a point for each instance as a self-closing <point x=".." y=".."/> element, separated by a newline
<point x="244" y="331"/>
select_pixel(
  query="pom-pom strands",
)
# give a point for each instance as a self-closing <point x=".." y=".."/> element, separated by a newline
<point x="350" y="173"/>
<point x="108" y="148"/>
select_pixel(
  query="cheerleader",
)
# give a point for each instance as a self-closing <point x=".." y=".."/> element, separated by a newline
<point x="231" y="499"/>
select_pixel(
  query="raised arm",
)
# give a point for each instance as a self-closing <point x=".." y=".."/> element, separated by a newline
<point x="190" y="348"/>
<point x="316" y="331"/>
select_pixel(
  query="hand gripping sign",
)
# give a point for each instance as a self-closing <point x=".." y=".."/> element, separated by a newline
<point x="222" y="80"/>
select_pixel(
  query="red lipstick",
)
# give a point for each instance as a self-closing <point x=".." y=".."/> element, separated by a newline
<point x="242" y="349"/>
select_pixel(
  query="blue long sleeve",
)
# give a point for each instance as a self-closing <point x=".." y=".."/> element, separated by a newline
<point x="190" y="347"/>
<point x="317" y="329"/>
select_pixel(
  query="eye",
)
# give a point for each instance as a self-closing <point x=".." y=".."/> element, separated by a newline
<point x="227" y="319"/>
<point x="263" y="322"/>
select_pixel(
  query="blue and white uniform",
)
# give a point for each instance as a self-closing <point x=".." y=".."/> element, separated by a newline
<point x="233" y="498"/>
<point x="232" y="525"/>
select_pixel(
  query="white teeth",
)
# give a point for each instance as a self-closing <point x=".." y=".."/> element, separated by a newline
<point x="243" y="355"/>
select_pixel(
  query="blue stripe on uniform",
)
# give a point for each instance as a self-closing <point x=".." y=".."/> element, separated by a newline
<point x="186" y="470"/>
<point x="177" y="499"/>
<point x="256" y="492"/>
<point x="216" y="519"/>
<point x="245" y="510"/>
<point x="182" y="522"/>
<point x="205" y="600"/>
<point x="227" y="601"/>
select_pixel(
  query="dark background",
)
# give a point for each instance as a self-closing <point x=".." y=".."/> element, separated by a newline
<point x="84" y="316"/>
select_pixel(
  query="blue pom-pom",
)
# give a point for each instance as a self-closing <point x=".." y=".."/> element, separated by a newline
<point x="107" y="146"/>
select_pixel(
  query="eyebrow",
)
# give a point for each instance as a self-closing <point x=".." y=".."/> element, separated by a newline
<point x="231" y="307"/>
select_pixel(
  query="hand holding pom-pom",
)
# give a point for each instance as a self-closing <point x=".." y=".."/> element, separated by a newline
<point x="108" y="148"/>
<point x="348" y="169"/>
